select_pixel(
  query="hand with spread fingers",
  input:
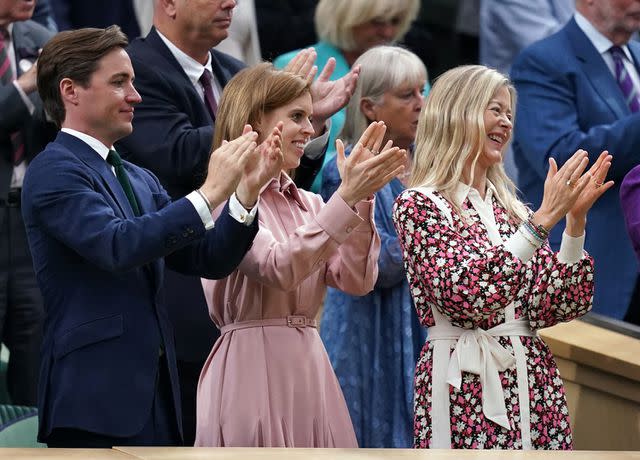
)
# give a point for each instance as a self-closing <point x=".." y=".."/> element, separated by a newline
<point x="264" y="165"/>
<point x="303" y="64"/>
<point x="368" y="169"/>
<point x="594" y="189"/>
<point x="226" y="166"/>
<point x="328" y="96"/>
<point x="331" y="96"/>
<point x="562" y="188"/>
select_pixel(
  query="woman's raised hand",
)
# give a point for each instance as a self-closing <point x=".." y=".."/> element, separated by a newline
<point x="265" y="164"/>
<point x="595" y="188"/>
<point x="365" y="171"/>
<point x="570" y="191"/>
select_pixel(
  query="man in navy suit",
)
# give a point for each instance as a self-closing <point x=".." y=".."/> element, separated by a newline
<point x="24" y="132"/>
<point x="172" y="136"/>
<point x="100" y="231"/>
<point x="569" y="97"/>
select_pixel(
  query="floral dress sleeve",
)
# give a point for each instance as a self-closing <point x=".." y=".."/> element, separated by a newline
<point x="562" y="289"/>
<point x="448" y="266"/>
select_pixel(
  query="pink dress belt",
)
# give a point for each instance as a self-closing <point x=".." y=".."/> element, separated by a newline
<point x="296" y="321"/>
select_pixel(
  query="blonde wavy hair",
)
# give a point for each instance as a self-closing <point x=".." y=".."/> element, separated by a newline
<point x="250" y="94"/>
<point x="451" y="131"/>
<point x="335" y="19"/>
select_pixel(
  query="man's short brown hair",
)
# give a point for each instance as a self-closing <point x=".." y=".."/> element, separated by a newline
<point x="73" y="54"/>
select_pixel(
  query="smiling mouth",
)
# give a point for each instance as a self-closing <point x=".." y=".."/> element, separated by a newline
<point x="496" y="138"/>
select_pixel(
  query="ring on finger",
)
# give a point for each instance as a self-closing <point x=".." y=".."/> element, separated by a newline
<point x="375" y="152"/>
<point x="597" y="184"/>
<point x="571" y="183"/>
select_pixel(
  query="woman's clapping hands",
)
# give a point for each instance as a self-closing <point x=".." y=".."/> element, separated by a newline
<point x="571" y="192"/>
<point x="366" y="171"/>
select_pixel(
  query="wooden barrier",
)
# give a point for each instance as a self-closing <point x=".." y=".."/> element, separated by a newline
<point x="601" y="373"/>
<point x="201" y="453"/>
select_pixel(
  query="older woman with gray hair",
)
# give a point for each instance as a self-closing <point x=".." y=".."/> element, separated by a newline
<point x="348" y="28"/>
<point x="374" y="341"/>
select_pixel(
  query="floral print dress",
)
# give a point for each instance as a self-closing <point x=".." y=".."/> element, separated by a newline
<point x="460" y="277"/>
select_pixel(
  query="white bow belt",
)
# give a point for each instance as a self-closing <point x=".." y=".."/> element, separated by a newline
<point x="476" y="351"/>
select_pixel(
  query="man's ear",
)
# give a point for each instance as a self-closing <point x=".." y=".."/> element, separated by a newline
<point x="169" y="7"/>
<point x="68" y="91"/>
<point x="368" y="108"/>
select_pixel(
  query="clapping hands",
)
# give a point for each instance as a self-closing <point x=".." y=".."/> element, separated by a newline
<point x="265" y="163"/>
<point x="366" y="171"/>
<point x="571" y="192"/>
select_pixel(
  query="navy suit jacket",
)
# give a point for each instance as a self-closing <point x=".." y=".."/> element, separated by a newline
<point x="28" y="38"/>
<point x="569" y="99"/>
<point x="100" y="270"/>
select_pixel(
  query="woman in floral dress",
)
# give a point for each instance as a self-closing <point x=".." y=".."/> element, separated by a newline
<point x="482" y="275"/>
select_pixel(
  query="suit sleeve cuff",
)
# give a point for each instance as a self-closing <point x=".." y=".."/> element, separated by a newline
<point x="239" y="213"/>
<point x="316" y="147"/>
<point x="202" y="209"/>
<point x="571" y="249"/>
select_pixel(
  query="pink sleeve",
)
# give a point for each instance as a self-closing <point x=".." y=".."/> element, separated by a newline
<point x="284" y="265"/>
<point x="354" y="268"/>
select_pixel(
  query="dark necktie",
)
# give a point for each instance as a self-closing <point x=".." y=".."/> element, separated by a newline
<point x="114" y="160"/>
<point x="6" y="78"/>
<point x="209" y="99"/>
<point x="629" y="91"/>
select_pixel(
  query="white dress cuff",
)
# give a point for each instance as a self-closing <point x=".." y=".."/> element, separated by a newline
<point x="202" y="208"/>
<point x="522" y="246"/>
<point x="239" y="213"/>
<point x="571" y="249"/>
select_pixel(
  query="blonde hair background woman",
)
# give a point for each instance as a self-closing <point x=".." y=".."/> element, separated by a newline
<point x="483" y="276"/>
<point x="346" y="29"/>
<point x="268" y="381"/>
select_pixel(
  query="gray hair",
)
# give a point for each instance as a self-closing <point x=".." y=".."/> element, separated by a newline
<point x="383" y="68"/>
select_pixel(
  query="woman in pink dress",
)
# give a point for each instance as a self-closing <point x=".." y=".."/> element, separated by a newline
<point x="482" y="274"/>
<point x="268" y="381"/>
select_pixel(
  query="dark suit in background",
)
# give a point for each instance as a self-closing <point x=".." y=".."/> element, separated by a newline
<point x="21" y="312"/>
<point x="568" y="99"/>
<point x="75" y="14"/>
<point x="100" y="269"/>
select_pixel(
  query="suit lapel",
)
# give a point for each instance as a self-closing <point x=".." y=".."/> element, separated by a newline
<point x="222" y="74"/>
<point x="147" y="204"/>
<point x="94" y="161"/>
<point x="596" y="70"/>
<point x="157" y="44"/>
